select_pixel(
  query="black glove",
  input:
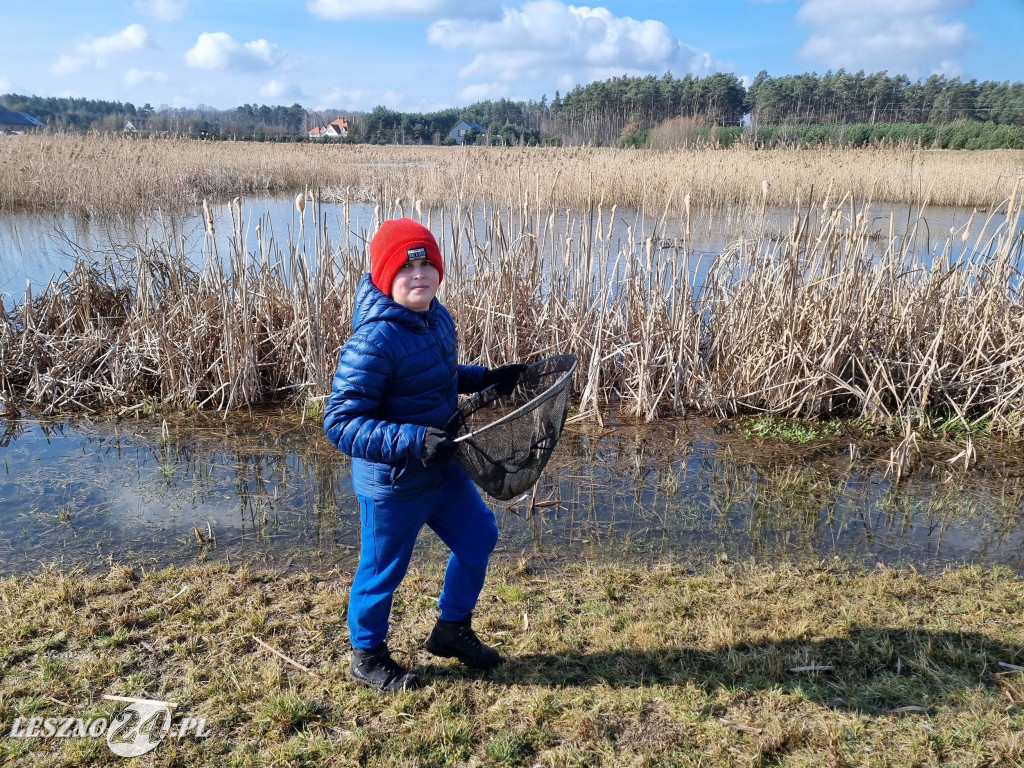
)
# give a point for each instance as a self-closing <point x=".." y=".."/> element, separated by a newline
<point x="506" y="377"/>
<point x="437" y="446"/>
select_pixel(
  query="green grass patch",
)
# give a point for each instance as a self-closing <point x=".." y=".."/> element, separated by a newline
<point x="790" y="430"/>
<point x="737" y="665"/>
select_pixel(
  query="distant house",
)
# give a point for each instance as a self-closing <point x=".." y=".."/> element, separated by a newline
<point x="17" y="122"/>
<point x="458" y="133"/>
<point x="336" y="129"/>
<point x="130" y="128"/>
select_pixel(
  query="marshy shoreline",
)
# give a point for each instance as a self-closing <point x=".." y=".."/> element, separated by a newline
<point x="832" y="316"/>
<point x="734" y="664"/>
<point x="834" y="311"/>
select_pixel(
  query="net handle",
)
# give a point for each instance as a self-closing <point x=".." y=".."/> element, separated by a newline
<point x="520" y="409"/>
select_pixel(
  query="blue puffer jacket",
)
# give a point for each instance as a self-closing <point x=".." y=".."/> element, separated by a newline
<point x="397" y="374"/>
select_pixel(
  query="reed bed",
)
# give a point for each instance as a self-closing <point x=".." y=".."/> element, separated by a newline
<point x="117" y="174"/>
<point x="147" y="326"/>
<point x="832" y="318"/>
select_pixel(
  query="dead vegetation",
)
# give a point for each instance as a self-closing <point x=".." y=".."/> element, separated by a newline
<point x="124" y="175"/>
<point x="832" y="317"/>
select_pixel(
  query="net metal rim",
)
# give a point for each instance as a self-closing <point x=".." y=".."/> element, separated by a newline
<point x="529" y="404"/>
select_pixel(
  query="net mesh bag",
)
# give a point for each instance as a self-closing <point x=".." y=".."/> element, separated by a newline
<point x="505" y="440"/>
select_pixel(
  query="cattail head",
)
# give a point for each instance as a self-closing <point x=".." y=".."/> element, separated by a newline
<point x="209" y="217"/>
<point x="1013" y="199"/>
<point x="300" y="203"/>
<point x="967" y="229"/>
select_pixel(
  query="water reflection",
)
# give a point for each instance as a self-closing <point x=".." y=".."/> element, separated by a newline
<point x="272" y="490"/>
<point x="36" y="247"/>
<point x="683" y="492"/>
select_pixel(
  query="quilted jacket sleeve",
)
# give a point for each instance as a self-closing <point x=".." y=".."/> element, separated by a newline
<point x="364" y="374"/>
<point x="471" y="378"/>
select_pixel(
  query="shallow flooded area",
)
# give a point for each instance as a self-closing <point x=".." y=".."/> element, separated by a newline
<point x="269" y="489"/>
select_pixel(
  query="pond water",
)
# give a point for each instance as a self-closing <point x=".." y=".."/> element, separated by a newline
<point x="270" y="490"/>
<point x="35" y="247"/>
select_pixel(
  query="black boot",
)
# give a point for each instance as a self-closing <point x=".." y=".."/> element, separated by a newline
<point x="375" y="668"/>
<point x="457" y="638"/>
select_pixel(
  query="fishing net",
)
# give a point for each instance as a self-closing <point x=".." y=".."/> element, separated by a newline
<point x="505" y="440"/>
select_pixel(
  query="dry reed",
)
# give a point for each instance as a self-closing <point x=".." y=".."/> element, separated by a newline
<point x="832" y="318"/>
<point x="115" y="174"/>
<point x="152" y="327"/>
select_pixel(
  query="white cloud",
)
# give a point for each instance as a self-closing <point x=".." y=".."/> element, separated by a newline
<point x="278" y="89"/>
<point x="344" y="9"/>
<point x="5" y="85"/>
<point x="365" y="99"/>
<point x="135" y="77"/>
<point x="948" y="68"/>
<point x="903" y="36"/>
<point x="162" y="10"/>
<point x="547" y="37"/>
<point x="484" y="91"/>
<point x="338" y="97"/>
<point x="68" y="65"/>
<point x="95" y="53"/>
<point x="218" y="50"/>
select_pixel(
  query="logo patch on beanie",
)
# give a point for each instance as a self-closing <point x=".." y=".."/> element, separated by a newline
<point x="415" y="254"/>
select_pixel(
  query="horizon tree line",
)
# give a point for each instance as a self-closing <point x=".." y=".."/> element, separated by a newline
<point x="603" y="112"/>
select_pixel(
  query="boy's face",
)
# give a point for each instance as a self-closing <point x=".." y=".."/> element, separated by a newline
<point x="415" y="285"/>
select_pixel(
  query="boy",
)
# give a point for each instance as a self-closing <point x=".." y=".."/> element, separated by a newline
<point x="396" y="386"/>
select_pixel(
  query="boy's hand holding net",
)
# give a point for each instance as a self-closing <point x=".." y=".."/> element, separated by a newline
<point x="437" y="446"/>
<point x="504" y="378"/>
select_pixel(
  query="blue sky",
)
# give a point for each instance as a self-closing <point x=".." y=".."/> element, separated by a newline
<point x="421" y="55"/>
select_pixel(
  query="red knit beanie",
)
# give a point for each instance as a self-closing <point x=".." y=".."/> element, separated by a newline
<point x="396" y="242"/>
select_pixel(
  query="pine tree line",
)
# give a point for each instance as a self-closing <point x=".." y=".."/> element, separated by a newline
<point x="844" y="97"/>
<point x="614" y="111"/>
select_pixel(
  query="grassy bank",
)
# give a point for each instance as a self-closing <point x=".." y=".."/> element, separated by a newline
<point x="116" y="174"/>
<point x="607" y="666"/>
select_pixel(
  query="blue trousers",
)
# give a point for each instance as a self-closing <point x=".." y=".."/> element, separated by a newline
<point x="457" y="514"/>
